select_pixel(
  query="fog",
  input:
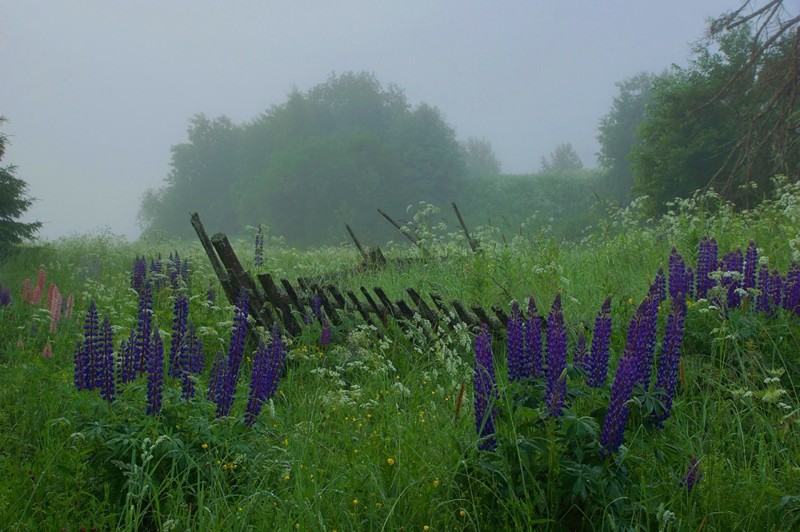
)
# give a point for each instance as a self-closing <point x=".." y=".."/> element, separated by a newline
<point x="96" y="92"/>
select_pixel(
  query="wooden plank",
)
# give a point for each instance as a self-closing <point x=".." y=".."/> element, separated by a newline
<point x="464" y="315"/>
<point x="360" y="307"/>
<point x="382" y="312"/>
<point x="333" y="290"/>
<point x="501" y="315"/>
<point x="424" y="310"/>
<point x="393" y="310"/>
<point x="357" y="243"/>
<point x="293" y="297"/>
<point x="280" y="302"/>
<point x="330" y="310"/>
<point x="405" y="310"/>
<point x="228" y="287"/>
<point x="411" y="237"/>
<point x="473" y="244"/>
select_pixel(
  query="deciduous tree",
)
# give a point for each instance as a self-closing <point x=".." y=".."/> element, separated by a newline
<point x="14" y="202"/>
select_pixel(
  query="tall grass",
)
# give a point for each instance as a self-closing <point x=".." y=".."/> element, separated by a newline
<point x="365" y="433"/>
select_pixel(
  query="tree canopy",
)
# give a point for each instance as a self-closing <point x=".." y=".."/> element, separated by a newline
<point x="731" y="119"/>
<point x="562" y="159"/>
<point x="325" y="157"/>
<point x="617" y="131"/>
<point x="14" y="202"/>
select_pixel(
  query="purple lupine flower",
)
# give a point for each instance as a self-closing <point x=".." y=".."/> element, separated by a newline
<point x="693" y="475"/>
<point x="678" y="282"/>
<point x="669" y="361"/>
<point x="155" y="375"/>
<point x="5" y="297"/>
<point x="764" y="289"/>
<point x="750" y="265"/>
<point x="316" y="307"/>
<point x="215" y="384"/>
<point x="275" y="361"/>
<point x="532" y="354"/>
<point x="235" y="353"/>
<point x="613" y="430"/>
<point x="325" y="333"/>
<point x="707" y="262"/>
<point x="690" y="282"/>
<point x="180" y="315"/>
<point x="86" y="355"/>
<point x="659" y="287"/>
<point x="257" y="381"/>
<point x="733" y="262"/>
<point x="191" y="362"/>
<point x="106" y="356"/>
<point x="791" y="289"/>
<point x="139" y="274"/>
<point x="775" y="290"/>
<point x="601" y="340"/>
<point x="259" y="251"/>
<point x="514" y="344"/>
<point x="556" y="390"/>
<point x="485" y="390"/>
<point x="144" y="328"/>
<point x="642" y="339"/>
<point x="127" y="367"/>
<point x="580" y="357"/>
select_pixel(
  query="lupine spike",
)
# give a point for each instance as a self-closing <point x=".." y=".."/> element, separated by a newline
<point x="642" y="339"/>
<point x="276" y="360"/>
<point x="750" y="265"/>
<point x="155" y="376"/>
<point x="580" y="357"/>
<point x="678" y="281"/>
<point x="326" y="332"/>
<point x="106" y="353"/>
<point x="485" y="390"/>
<point x="86" y="355"/>
<point x="180" y="313"/>
<point x="144" y="327"/>
<point x="733" y="262"/>
<point x="693" y="475"/>
<point x="556" y="385"/>
<point x="235" y="353"/>
<point x="514" y="344"/>
<point x="256" y="397"/>
<point x="613" y="430"/>
<point x="669" y="361"/>
<point x="532" y="364"/>
<point x="601" y="340"/>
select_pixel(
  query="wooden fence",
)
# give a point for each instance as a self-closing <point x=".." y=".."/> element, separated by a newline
<point x="287" y="303"/>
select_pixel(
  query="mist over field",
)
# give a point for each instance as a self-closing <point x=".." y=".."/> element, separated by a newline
<point x="96" y="94"/>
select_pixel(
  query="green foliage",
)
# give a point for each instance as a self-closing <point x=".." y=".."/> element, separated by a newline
<point x="563" y="159"/>
<point x="480" y="158"/>
<point x="617" y="131"/>
<point x="13" y="203"/>
<point x="714" y="123"/>
<point x="366" y="434"/>
<point x="325" y="157"/>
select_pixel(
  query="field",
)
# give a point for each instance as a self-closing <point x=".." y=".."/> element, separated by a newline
<point x="375" y="429"/>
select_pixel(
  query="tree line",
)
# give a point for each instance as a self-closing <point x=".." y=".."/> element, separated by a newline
<point x="729" y="120"/>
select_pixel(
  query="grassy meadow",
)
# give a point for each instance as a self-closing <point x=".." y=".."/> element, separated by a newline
<point x="376" y="430"/>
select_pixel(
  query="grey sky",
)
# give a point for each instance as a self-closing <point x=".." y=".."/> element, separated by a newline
<point x="96" y="91"/>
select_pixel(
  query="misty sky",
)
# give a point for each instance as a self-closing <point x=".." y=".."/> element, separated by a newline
<point x="96" y="92"/>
